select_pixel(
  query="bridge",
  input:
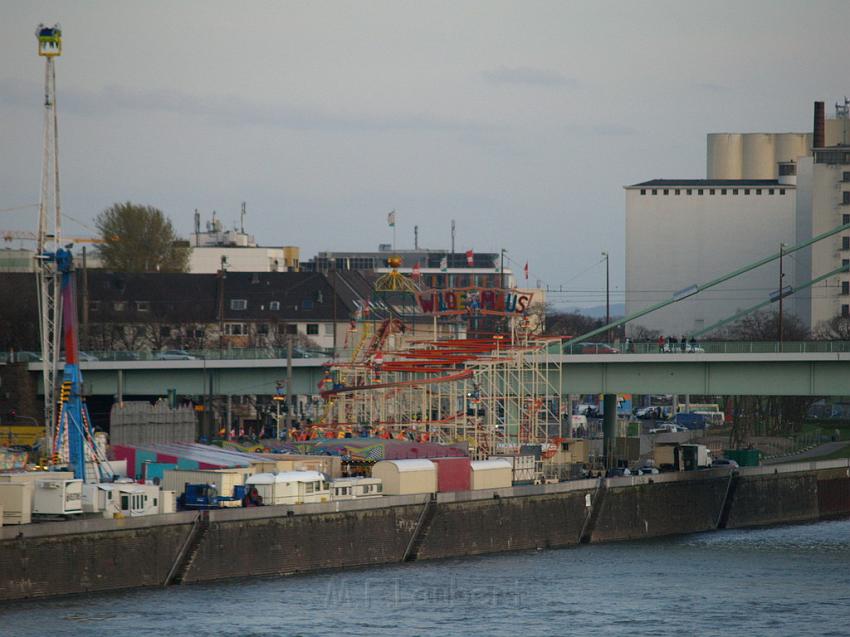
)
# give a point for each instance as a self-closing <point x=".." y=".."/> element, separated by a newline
<point x="811" y="368"/>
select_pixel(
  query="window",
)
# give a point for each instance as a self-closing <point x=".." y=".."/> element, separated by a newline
<point x="734" y="191"/>
<point x="770" y="191"/>
<point x="309" y="487"/>
<point x="125" y="503"/>
<point x="313" y="328"/>
<point x="845" y="243"/>
<point x="643" y="191"/>
<point x="263" y="329"/>
<point x="699" y="191"/>
<point x="235" y="329"/>
<point x="782" y="191"/>
<point x="845" y="263"/>
<point x="164" y="331"/>
<point x="329" y="329"/>
<point x="678" y="191"/>
<point x="690" y="191"/>
<point x="758" y="191"/>
<point x="198" y="332"/>
<point x="292" y="328"/>
<point x="666" y="191"/>
<point x="845" y="219"/>
<point x="845" y="176"/>
<point x="94" y="306"/>
<point x="711" y="191"/>
<point x="307" y="304"/>
<point x="845" y="197"/>
<point x="654" y="191"/>
<point x="143" y="306"/>
<point x="119" y="306"/>
<point x="746" y="191"/>
<point x="722" y="191"/>
<point x="238" y="304"/>
<point x="845" y="288"/>
<point x="845" y="311"/>
<point x="274" y="306"/>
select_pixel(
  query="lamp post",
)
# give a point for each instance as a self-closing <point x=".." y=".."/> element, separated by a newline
<point x="782" y="247"/>
<point x="607" y="296"/>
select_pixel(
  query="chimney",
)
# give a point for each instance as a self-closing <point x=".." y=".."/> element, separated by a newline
<point x="818" y="136"/>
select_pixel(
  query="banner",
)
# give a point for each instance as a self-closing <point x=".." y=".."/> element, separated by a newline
<point x="473" y="300"/>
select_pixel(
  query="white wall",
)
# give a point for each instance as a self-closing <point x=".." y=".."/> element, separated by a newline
<point x="673" y="242"/>
<point x="208" y="260"/>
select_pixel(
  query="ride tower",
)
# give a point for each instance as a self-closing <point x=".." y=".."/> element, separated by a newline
<point x="48" y="236"/>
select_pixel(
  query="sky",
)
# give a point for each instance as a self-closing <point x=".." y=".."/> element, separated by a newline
<point x="520" y="120"/>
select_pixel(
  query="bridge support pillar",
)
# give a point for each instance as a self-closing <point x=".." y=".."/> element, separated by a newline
<point x="609" y="427"/>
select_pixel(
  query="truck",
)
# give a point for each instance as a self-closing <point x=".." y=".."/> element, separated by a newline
<point x="682" y="457"/>
<point x="205" y="496"/>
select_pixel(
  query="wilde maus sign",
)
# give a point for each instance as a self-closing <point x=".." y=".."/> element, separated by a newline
<point x="473" y="300"/>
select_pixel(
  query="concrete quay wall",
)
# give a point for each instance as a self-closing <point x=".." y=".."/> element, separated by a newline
<point x="42" y="560"/>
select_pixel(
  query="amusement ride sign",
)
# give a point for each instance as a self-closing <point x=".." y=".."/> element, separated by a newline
<point x="473" y="301"/>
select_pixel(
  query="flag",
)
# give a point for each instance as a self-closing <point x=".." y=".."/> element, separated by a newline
<point x="417" y="271"/>
<point x="470" y="257"/>
<point x="391" y="219"/>
<point x="525" y="270"/>
<point x="444" y="264"/>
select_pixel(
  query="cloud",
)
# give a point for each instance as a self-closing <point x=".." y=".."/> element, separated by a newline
<point x="231" y="111"/>
<point x="530" y="77"/>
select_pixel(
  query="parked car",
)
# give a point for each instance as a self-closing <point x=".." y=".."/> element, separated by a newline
<point x="719" y="463"/>
<point x="24" y="357"/>
<point x="590" y="348"/>
<point x="618" y="472"/>
<point x="647" y="471"/>
<point x="649" y="413"/>
<point x="668" y="429"/>
<point x="174" y="355"/>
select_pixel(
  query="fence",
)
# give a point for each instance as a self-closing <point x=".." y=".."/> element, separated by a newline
<point x="141" y="423"/>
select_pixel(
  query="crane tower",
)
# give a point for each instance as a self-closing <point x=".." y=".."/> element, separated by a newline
<point x="49" y="227"/>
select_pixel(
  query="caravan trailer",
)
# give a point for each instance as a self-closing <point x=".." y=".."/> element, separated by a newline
<point x="291" y="487"/>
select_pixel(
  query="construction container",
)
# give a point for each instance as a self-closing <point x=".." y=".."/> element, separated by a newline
<point x="491" y="474"/>
<point x="453" y="474"/>
<point x="744" y="457"/>
<point x="54" y="496"/>
<point x="523" y="468"/>
<point x="224" y="480"/>
<point x="167" y="501"/>
<point x="277" y="462"/>
<point x="406" y="477"/>
<point x="354" y="488"/>
<point x="16" y="500"/>
<point x="291" y="487"/>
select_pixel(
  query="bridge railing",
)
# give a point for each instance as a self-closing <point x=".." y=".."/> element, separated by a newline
<point x="247" y="353"/>
<point x="710" y="347"/>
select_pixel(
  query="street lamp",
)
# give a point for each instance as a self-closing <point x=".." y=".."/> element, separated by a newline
<point x="782" y="247"/>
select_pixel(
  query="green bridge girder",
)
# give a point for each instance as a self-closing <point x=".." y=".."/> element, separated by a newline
<point x="764" y="374"/>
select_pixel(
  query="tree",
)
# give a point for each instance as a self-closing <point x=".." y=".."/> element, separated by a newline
<point x="764" y="326"/>
<point x="835" y="329"/>
<point x="139" y="238"/>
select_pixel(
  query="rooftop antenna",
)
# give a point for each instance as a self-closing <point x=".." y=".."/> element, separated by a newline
<point x="842" y="111"/>
<point x="242" y="219"/>
<point x="415" y="237"/>
<point x="197" y="228"/>
<point x="453" y="236"/>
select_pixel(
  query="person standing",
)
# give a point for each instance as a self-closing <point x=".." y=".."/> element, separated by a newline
<point x="661" y="344"/>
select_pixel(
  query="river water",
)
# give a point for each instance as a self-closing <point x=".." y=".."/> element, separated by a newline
<point x="792" y="580"/>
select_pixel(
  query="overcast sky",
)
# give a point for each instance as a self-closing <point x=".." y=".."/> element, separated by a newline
<point x="521" y="120"/>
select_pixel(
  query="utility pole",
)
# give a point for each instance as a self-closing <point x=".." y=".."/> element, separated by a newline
<point x="453" y="237"/>
<point x="222" y="273"/>
<point x="781" y="276"/>
<point x="607" y="295"/>
<point x="291" y="396"/>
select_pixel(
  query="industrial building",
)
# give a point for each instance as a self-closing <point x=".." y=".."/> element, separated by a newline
<point x="762" y="191"/>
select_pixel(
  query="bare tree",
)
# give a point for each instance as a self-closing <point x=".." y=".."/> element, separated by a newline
<point x="835" y="329"/>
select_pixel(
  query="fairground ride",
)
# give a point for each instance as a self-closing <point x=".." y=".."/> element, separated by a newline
<point x="70" y="435"/>
<point x="494" y="392"/>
